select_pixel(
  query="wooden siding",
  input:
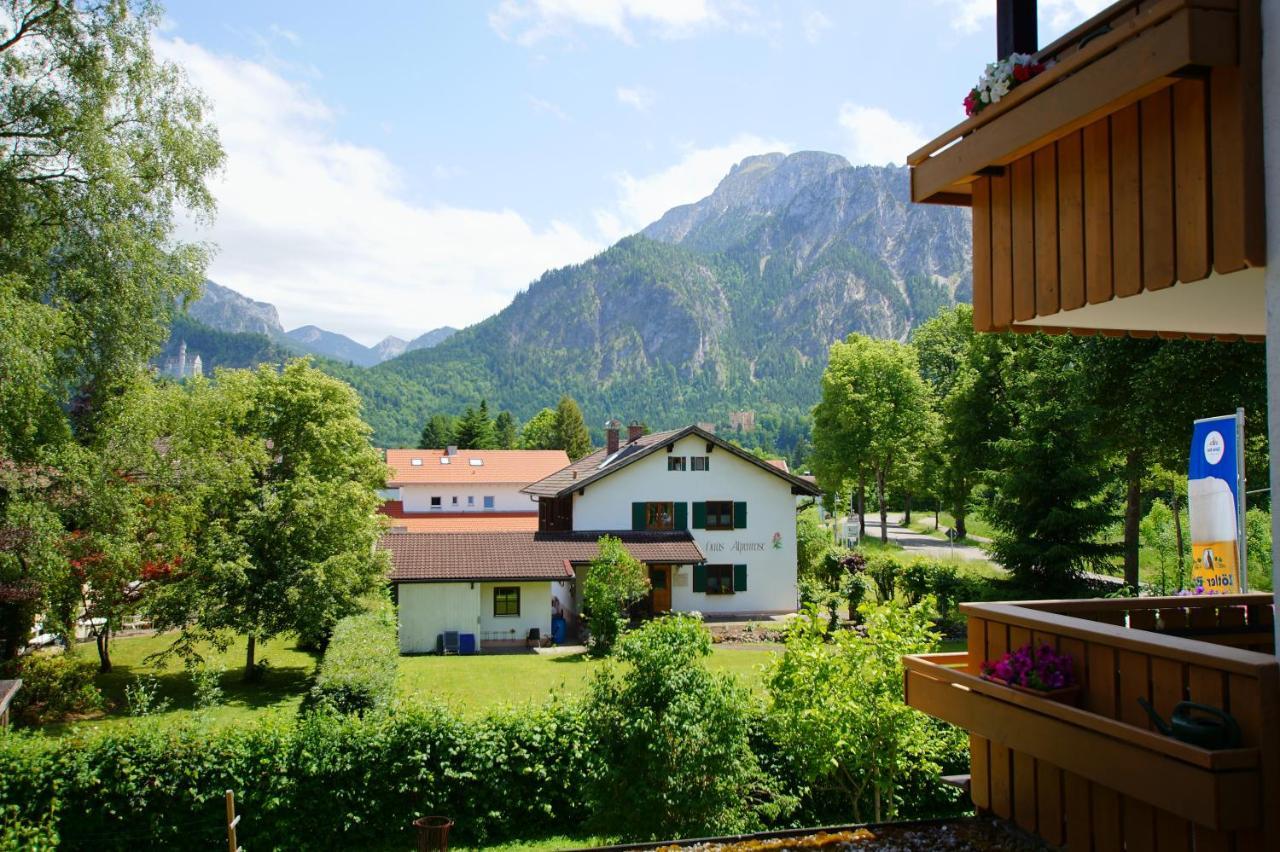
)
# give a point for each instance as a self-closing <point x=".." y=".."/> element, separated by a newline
<point x="1099" y="776"/>
<point x="1123" y="205"/>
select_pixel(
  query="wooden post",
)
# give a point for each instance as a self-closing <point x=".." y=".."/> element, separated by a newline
<point x="232" y="822"/>
<point x="1015" y="27"/>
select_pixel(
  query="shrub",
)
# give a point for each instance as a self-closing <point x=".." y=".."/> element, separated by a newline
<point x="916" y="580"/>
<point x="142" y="697"/>
<point x="883" y="570"/>
<point x="359" y="668"/>
<point x="54" y="686"/>
<point x="615" y="580"/>
<point x="674" y="753"/>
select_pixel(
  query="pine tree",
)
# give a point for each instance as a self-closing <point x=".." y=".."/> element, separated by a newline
<point x="571" y="429"/>
<point x="475" y="430"/>
<point x="505" y="428"/>
<point x="439" y="432"/>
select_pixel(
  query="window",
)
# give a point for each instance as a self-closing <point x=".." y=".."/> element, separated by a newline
<point x="506" y="600"/>
<point x="435" y="502"/>
<point x="719" y="514"/>
<point x="700" y="463"/>
<point x="675" y="463"/>
<point x="471" y="499"/>
<point x="659" y="516"/>
<point x="455" y="501"/>
<point x="488" y="502"/>
<point x="719" y="580"/>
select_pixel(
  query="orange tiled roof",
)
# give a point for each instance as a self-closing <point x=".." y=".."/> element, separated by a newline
<point x="515" y="467"/>
<point x="454" y="522"/>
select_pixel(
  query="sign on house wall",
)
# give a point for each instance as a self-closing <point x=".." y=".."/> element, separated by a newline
<point x="1215" y="498"/>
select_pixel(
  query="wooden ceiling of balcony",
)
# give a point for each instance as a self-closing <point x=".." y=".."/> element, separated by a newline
<point x="1133" y="164"/>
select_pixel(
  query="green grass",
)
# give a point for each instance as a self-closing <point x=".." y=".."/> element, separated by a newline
<point x="974" y="526"/>
<point x="472" y="685"/>
<point x="279" y="691"/>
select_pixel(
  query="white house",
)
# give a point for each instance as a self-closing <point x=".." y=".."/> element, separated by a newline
<point x="714" y="524"/>
<point x="449" y="490"/>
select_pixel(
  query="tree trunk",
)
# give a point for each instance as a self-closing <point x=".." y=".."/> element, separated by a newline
<point x="906" y="515"/>
<point x="937" y="513"/>
<point x="250" y="664"/>
<point x="884" y="510"/>
<point x="103" y="641"/>
<point x="1132" y="516"/>
<point x="1177" y="532"/>
<point x="862" y="505"/>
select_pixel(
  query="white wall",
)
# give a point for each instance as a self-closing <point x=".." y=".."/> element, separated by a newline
<point x="507" y="498"/>
<point x="771" y="507"/>
<point x="427" y="609"/>
<point x="535" y="611"/>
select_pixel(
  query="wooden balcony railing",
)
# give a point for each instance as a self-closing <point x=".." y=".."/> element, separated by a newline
<point x="1099" y="776"/>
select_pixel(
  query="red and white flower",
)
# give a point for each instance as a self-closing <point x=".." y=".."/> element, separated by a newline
<point x="1000" y="78"/>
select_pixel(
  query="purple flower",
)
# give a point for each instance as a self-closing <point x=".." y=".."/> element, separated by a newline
<point x="1042" y="668"/>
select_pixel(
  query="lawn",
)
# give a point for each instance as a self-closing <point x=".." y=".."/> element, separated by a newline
<point x="475" y="684"/>
<point x="280" y="691"/>
<point x="974" y="526"/>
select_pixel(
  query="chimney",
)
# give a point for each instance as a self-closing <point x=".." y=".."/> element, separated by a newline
<point x="451" y="450"/>
<point x="611" y="437"/>
<point x="634" y="432"/>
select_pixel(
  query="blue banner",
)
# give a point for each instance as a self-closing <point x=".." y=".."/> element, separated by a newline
<point x="1215" y="483"/>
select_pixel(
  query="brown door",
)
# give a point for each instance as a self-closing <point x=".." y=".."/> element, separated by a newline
<point x="660" y="591"/>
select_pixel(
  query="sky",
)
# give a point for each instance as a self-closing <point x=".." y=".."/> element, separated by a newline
<point x="393" y="167"/>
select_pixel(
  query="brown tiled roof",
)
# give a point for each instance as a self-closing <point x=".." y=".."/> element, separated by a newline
<point x="426" y="557"/>
<point x="597" y="465"/>
<point x="780" y="464"/>
<point x="511" y="467"/>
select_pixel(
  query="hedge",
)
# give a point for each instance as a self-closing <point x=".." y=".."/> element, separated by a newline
<point x="358" y="670"/>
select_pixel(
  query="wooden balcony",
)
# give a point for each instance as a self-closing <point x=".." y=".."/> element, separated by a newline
<point x="1131" y="165"/>
<point x="1099" y="776"/>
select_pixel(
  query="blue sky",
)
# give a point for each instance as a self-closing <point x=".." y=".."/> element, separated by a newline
<point x="406" y="165"/>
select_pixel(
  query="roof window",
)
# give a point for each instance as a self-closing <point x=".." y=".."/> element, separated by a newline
<point x="444" y="460"/>
<point x="416" y="462"/>
<point x="476" y="462"/>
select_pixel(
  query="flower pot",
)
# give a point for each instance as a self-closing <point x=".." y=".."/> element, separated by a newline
<point x="1065" y="695"/>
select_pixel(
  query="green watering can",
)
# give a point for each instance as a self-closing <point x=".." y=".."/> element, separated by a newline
<point x="1197" y="724"/>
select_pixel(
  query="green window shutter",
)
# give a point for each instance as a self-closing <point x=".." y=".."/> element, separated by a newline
<point x="739" y="578"/>
<point x="682" y="515"/>
<point x="699" y="516"/>
<point x="739" y="516"/>
<point x="637" y="516"/>
<point x="699" y="579"/>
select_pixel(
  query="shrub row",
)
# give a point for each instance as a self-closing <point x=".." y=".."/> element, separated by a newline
<point x="333" y="781"/>
<point x="358" y="670"/>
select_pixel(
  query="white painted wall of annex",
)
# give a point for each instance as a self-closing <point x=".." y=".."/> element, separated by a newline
<point x="535" y="611"/>
<point x="427" y="609"/>
<point x="506" y="498"/>
<point x="771" y="507"/>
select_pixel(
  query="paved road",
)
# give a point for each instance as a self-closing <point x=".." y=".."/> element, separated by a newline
<point x="921" y="544"/>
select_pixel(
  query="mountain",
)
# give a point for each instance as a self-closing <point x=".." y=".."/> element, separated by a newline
<point x="332" y="345"/>
<point x="432" y="338"/>
<point x="224" y="309"/>
<point x="730" y="303"/>
<point x="389" y="347"/>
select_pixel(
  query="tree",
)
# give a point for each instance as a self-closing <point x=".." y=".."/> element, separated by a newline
<point x="439" y="432"/>
<point x="475" y="429"/>
<point x="1157" y="535"/>
<point x="540" y="432"/>
<point x="1050" y="499"/>
<point x="836" y="706"/>
<point x="571" y="430"/>
<point x="615" y="580"/>
<point x="504" y="427"/>
<point x="100" y="143"/>
<point x="874" y="415"/>
<point x="287" y="542"/>
<point x="674" y="741"/>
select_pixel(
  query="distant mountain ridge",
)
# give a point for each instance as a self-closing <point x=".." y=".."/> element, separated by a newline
<point x="222" y="309"/>
<point x="729" y="303"/>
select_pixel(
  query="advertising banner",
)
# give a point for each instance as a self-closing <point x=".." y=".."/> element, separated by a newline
<point x="1215" y="498"/>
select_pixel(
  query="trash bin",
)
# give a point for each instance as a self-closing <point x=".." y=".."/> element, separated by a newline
<point x="433" y="833"/>
<point x="559" y="629"/>
<point x="466" y="643"/>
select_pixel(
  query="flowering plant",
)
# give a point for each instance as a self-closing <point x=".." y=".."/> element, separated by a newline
<point x="1044" y="669"/>
<point x="999" y="79"/>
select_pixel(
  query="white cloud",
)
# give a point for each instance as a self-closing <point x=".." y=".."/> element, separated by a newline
<point x="876" y="137"/>
<point x="319" y="227"/>
<point x="530" y="21"/>
<point x="814" y="23"/>
<point x="550" y="108"/>
<point x="642" y="200"/>
<point x="1056" y="16"/>
<point x="637" y="97"/>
